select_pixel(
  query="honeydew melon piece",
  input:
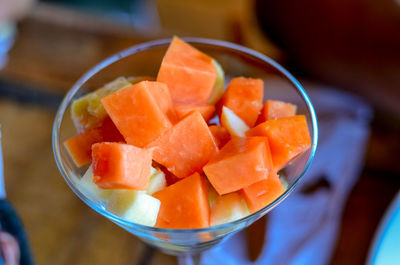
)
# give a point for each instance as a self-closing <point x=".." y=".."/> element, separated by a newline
<point x="134" y="206"/>
<point x="87" y="112"/>
<point x="219" y="86"/>
<point x="87" y="186"/>
<point x="157" y="181"/>
<point x="235" y="125"/>
<point x="228" y="208"/>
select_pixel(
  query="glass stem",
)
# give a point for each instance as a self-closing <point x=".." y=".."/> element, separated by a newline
<point x="189" y="259"/>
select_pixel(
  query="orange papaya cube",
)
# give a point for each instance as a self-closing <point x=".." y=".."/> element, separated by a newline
<point x="189" y="74"/>
<point x="184" y="205"/>
<point x="228" y="208"/>
<point x="161" y="95"/>
<point x="138" y="115"/>
<point x="121" y="166"/>
<point x="262" y="193"/>
<point x="220" y="134"/>
<point x="186" y="147"/>
<point x="80" y="147"/>
<point x="240" y="163"/>
<point x="183" y="108"/>
<point x="288" y="137"/>
<point x="275" y="109"/>
<point x="244" y="96"/>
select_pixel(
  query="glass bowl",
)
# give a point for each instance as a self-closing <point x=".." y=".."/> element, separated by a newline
<point x="144" y="60"/>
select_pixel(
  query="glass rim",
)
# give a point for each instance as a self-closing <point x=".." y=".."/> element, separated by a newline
<point x="158" y="44"/>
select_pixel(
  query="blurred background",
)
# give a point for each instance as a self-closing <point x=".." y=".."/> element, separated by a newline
<point x="45" y="46"/>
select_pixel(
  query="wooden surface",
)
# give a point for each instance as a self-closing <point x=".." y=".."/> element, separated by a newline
<point x="49" y="58"/>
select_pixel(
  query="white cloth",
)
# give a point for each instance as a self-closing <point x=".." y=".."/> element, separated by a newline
<point x="303" y="229"/>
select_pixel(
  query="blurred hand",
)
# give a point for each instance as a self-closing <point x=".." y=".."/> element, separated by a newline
<point x="9" y="248"/>
<point x="11" y="10"/>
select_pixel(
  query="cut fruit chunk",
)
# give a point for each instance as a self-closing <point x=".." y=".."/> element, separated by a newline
<point x="228" y="208"/>
<point x="235" y="125"/>
<point x="183" y="108"/>
<point x="212" y="193"/>
<point x="288" y="137"/>
<point x="219" y="86"/>
<point x="157" y="181"/>
<point x="80" y="147"/>
<point x="186" y="147"/>
<point x="87" y="186"/>
<point x="244" y="96"/>
<point x="87" y="112"/>
<point x="134" y="206"/>
<point x="121" y="166"/>
<point x="240" y="163"/>
<point x="189" y="74"/>
<point x="139" y="115"/>
<point x="184" y="205"/>
<point x="262" y="193"/>
<point x="275" y="109"/>
<point x="220" y="134"/>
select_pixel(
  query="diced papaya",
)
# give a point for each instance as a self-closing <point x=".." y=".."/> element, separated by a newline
<point x="139" y="115"/>
<point x="189" y="74"/>
<point x="183" y="108"/>
<point x="244" y="96"/>
<point x="240" y="163"/>
<point x="80" y="147"/>
<point x="161" y="95"/>
<point x="184" y="205"/>
<point x="186" y="147"/>
<point x="262" y="193"/>
<point x="220" y="134"/>
<point x="288" y="137"/>
<point x="121" y="166"/>
<point x="228" y="208"/>
<point x="275" y="109"/>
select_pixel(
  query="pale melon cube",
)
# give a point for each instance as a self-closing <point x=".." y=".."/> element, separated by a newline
<point x="134" y="206"/>
<point x="235" y="125"/>
<point x="157" y="181"/>
<point x="89" y="188"/>
<point x="228" y="208"/>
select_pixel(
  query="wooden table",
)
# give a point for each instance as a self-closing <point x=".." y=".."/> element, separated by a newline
<point x="46" y="60"/>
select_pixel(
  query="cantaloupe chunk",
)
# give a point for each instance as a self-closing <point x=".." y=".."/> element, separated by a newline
<point x="262" y="193"/>
<point x="244" y="96"/>
<point x="186" y="147"/>
<point x="220" y="134"/>
<point x="235" y="125"/>
<point x="189" y="73"/>
<point x="80" y="147"/>
<point x="183" y="108"/>
<point x="139" y="115"/>
<point x="228" y="208"/>
<point x="184" y="205"/>
<point x="121" y="166"/>
<point x="240" y="163"/>
<point x="87" y="112"/>
<point x="288" y="137"/>
<point x="275" y="109"/>
<point x="134" y="206"/>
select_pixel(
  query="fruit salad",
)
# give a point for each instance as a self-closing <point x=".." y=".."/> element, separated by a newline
<point x="183" y="150"/>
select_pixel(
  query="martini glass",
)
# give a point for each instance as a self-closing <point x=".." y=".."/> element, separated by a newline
<point x="144" y="60"/>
